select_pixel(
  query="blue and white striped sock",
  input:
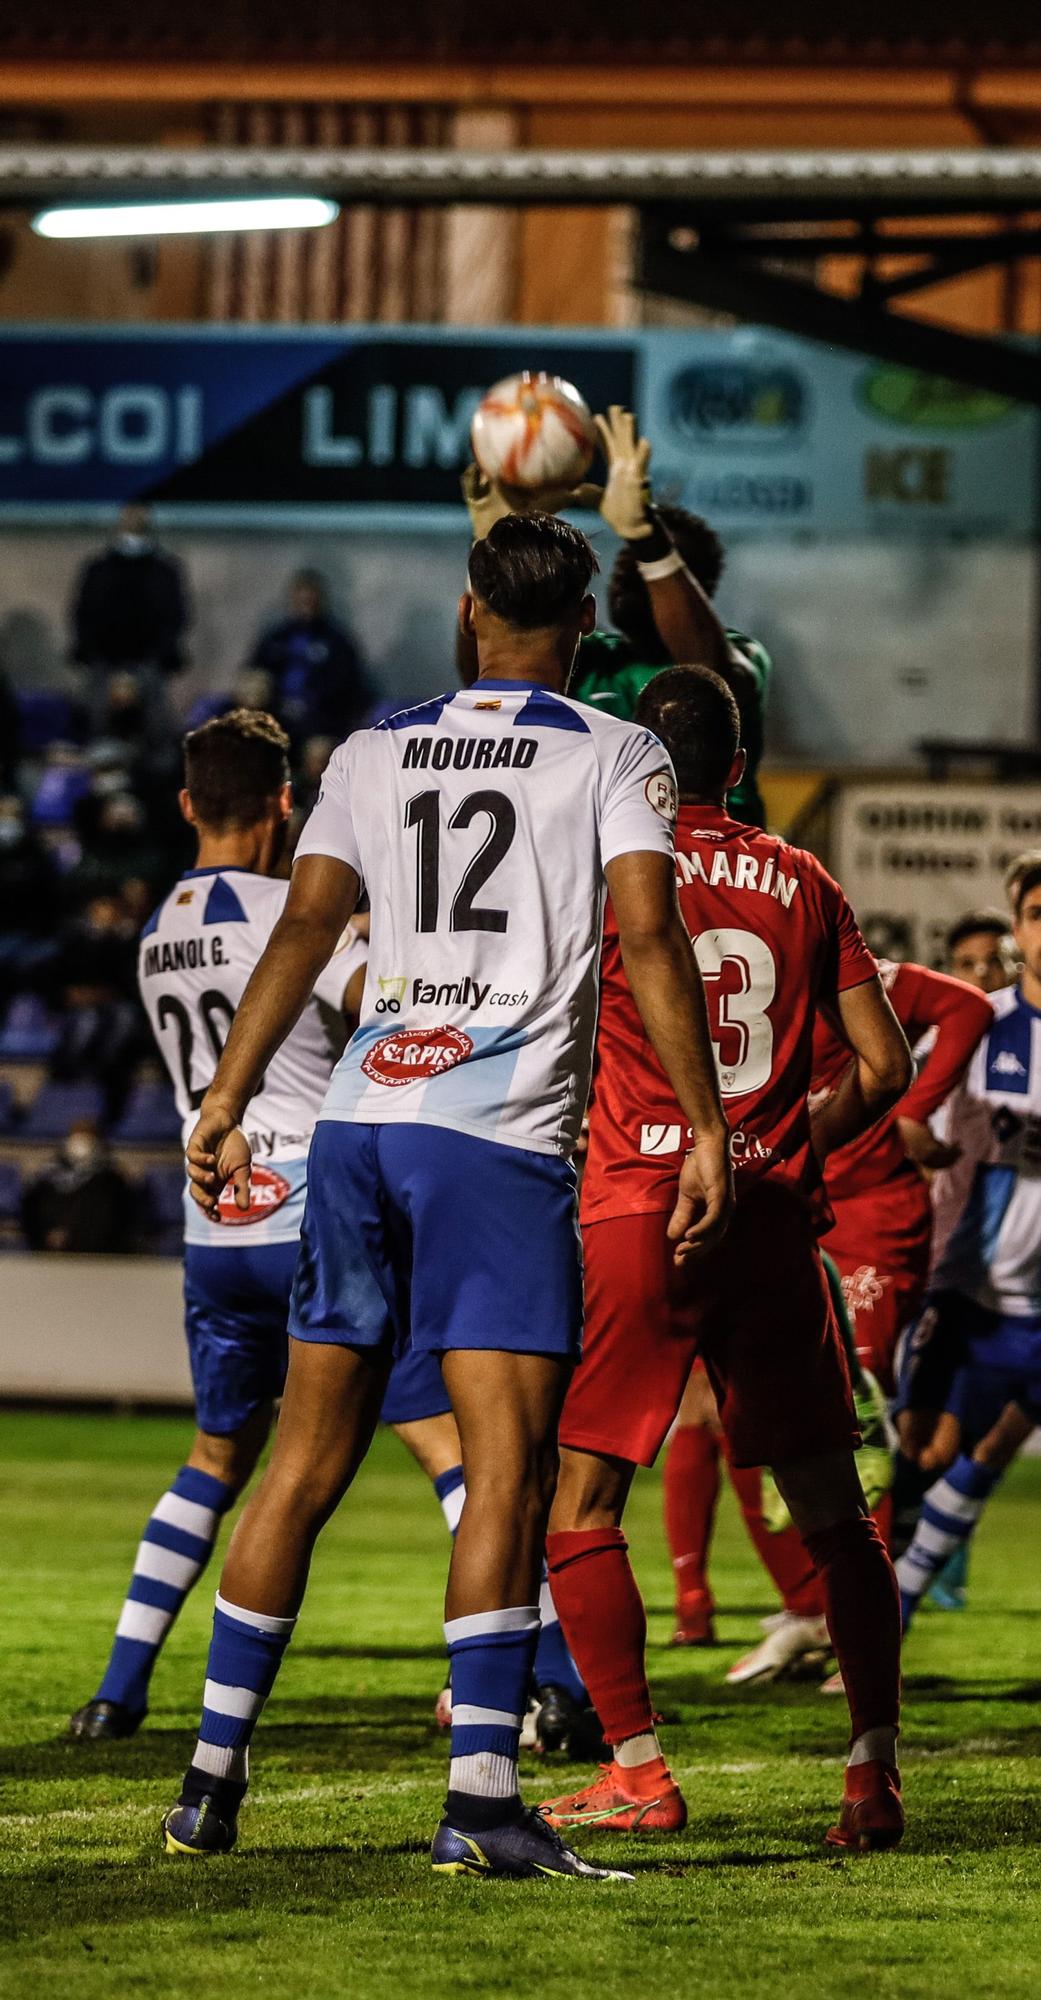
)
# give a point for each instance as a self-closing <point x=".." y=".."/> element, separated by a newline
<point x="245" y="1655"/>
<point x="451" y="1492"/>
<point x="171" y="1557"/>
<point x="491" y="1656"/>
<point x="554" y="1666"/>
<point x="950" y="1511"/>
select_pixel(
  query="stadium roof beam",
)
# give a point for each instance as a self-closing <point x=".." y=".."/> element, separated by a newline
<point x="794" y="185"/>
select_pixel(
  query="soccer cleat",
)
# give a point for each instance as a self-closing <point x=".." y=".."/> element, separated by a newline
<point x="788" y="1640"/>
<point x="105" y="1722"/>
<point x="197" y="1830"/>
<point x="947" y="1590"/>
<point x="834" y="1683"/>
<point x="556" y="1716"/>
<point x="523" y="1849"/>
<point x="872" y="1816"/>
<point x="694" y="1626"/>
<point x="614" y="1806"/>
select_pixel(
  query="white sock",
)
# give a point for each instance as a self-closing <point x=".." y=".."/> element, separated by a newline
<point x="637" y="1750"/>
<point x="875" y="1746"/>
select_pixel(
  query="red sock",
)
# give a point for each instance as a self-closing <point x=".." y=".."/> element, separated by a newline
<point x="862" y="1606"/>
<point x="605" y="1625"/>
<point x="691" y="1486"/>
<point x="783" y="1556"/>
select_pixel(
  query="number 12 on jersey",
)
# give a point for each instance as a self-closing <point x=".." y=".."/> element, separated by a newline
<point x="423" y="812"/>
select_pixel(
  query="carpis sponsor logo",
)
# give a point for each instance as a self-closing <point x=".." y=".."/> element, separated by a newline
<point x="411" y="1055"/>
<point x="267" y="1192"/>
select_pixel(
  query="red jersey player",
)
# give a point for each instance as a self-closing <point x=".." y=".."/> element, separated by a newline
<point x="878" y="1193"/>
<point x="774" y="937"/>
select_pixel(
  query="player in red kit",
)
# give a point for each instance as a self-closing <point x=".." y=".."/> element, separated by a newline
<point x="774" y="938"/>
<point x="876" y="1187"/>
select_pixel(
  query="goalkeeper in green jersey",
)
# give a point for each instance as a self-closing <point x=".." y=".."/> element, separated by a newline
<point x="659" y="594"/>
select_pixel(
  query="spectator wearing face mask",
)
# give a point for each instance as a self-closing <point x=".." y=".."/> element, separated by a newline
<point x="316" y="681"/>
<point x="130" y="614"/>
<point x="82" y="1201"/>
<point x="29" y="891"/>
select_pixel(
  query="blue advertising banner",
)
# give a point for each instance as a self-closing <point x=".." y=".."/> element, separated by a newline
<point x="765" y="433"/>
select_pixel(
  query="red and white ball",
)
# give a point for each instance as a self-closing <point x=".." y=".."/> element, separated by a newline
<point x="533" y="430"/>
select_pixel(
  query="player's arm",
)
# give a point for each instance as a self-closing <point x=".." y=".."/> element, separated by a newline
<point x="318" y="908"/>
<point x="687" y="623"/>
<point x="667" y="987"/>
<point x="881" y="1070"/>
<point x="923" y="999"/>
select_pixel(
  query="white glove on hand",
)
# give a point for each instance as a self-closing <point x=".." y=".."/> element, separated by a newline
<point x="488" y="502"/>
<point x="627" y="495"/>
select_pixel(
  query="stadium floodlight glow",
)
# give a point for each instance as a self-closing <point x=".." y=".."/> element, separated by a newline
<point x="187" y="218"/>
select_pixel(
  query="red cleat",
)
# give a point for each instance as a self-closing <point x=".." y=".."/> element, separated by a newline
<point x="644" y="1800"/>
<point x="872" y="1816"/>
<point x="694" y="1625"/>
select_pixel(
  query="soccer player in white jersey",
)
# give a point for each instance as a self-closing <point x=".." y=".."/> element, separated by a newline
<point x="981" y="1322"/>
<point x="441" y="1195"/>
<point x="196" y="955"/>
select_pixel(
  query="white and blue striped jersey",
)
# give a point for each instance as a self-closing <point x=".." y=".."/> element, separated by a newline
<point x="481" y="824"/>
<point x="992" y="1252"/>
<point x="195" y="957"/>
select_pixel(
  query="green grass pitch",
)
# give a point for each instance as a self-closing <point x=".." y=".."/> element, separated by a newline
<point x="330" y="1894"/>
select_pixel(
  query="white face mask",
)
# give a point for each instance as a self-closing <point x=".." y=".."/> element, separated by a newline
<point x="80" y="1147"/>
<point x="132" y="545"/>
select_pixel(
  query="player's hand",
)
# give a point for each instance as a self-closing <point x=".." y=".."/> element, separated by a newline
<point x="924" y="1148"/>
<point x="705" y="1198"/>
<point x="488" y="500"/>
<point x="627" y="495"/>
<point x="218" y="1152"/>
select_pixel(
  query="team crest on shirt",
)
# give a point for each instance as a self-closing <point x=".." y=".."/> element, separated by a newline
<point x="413" y="1054"/>
<point x="661" y="794"/>
<point x="267" y="1192"/>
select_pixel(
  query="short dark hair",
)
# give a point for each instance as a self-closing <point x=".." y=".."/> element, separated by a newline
<point x="1026" y="883"/>
<point x="234" y="766"/>
<point x="532" y="571"/>
<point x="628" y="601"/>
<point x="991" y="921"/>
<point x="697" y="718"/>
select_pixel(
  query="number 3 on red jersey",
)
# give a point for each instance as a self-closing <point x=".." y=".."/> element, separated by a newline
<point x="740" y="982"/>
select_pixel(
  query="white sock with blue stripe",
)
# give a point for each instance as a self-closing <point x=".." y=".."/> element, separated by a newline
<point x="491" y="1655"/>
<point x="950" y="1511"/>
<point x="245" y="1655"/>
<point x="171" y="1557"/>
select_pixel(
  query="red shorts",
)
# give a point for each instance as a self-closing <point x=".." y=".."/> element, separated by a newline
<point x="881" y="1243"/>
<point x="756" y="1310"/>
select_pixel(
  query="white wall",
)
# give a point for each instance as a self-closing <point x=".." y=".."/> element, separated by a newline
<point x="93" y="1328"/>
<point x="877" y="644"/>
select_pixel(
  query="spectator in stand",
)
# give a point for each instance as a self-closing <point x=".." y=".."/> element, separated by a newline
<point x="129" y="616"/>
<point x="103" y="1034"/>
<point x="317" y="684"/>
<point x="10" y="732"/>
<point x="29" y="888"/>
<point x="82" y="1201"/>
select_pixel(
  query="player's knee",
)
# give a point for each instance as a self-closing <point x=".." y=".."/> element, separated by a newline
<point x="231" y="1458"/>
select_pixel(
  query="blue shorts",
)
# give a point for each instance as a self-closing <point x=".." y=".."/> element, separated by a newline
<point x="419" y="1232"/>
<point x="236" y="1316"/>
<point x="960" y="1357"/>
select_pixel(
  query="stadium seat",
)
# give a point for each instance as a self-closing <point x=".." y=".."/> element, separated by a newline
<point x="56" y="1106"/>
<point x="10" y="1191"/>
<point x="149" y="1117"/>
<point x="7" y="1106"/>
<point x="164" y="1193"/>
<point x="47" y="717"/>
<point x="58" y="793"/>
<point x="29" y="1033"/>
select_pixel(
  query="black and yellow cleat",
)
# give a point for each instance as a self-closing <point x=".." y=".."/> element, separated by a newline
<point x="197" y="1829"/>
<point x="523" y="1849"/>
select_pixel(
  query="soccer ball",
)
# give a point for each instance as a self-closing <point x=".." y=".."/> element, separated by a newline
<point x="533" y="430"/>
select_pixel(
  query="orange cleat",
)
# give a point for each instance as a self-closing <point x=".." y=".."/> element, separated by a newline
<point x="646" y="1799"/>
<point x="694" y="1625"/>
<point x="872" y="1816"/>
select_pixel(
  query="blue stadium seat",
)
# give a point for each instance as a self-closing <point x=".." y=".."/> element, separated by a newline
<point x="58" y="793"/>
<point x="10" y="1191"/>
<point x="47" y="717"/>
<point x="164" y="1192"/>
<point x="149" y="1117"/>
<point x="56" y="1106"/>
<point x="29" y="1033"/>
<point x="7" y="1107"/>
